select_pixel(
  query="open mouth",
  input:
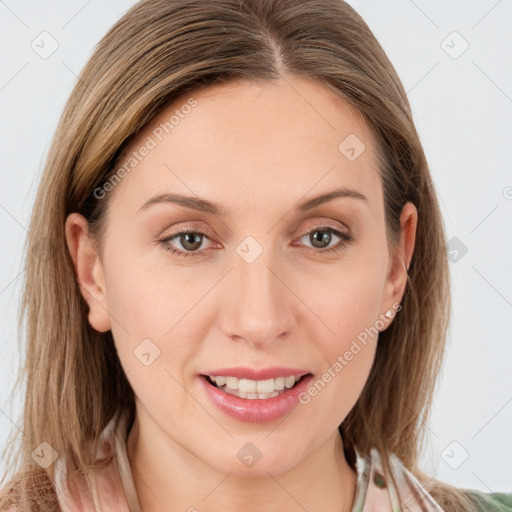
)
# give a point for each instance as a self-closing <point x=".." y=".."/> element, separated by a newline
<point x="255" y="390"/>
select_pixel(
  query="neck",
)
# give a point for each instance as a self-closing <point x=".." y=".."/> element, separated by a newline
<point x="167" y="476"/>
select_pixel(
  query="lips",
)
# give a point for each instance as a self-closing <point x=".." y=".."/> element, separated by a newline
<point x="253" y="374"/>
<point x="256" y="410"/>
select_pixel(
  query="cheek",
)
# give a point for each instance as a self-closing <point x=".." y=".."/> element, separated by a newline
<point x="150" y="334"/>
<point x="346" y="303"/>
<point x="345" y="299"/>
<point x="347" y="347"/>
<point x="153" y="311"/>
<point x="150" y="298"/>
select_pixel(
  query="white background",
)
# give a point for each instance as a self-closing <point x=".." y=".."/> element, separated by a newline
<point x="463" y="111"/>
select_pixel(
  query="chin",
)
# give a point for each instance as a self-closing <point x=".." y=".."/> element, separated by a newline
<point x="241" y="465"/>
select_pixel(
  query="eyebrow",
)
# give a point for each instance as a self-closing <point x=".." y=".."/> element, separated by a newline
<point x="203" y="205"/>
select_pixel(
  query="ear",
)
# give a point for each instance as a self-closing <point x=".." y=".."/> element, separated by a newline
<point x="88" y="270"/>
<point x="396" y="279"/>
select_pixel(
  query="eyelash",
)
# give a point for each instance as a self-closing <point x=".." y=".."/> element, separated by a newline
<point x="346" y="238"/>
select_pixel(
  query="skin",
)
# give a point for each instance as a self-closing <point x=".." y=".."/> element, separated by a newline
<point x="257" y="150"/>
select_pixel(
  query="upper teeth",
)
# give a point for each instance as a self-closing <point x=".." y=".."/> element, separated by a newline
<point x="256" y="386"/>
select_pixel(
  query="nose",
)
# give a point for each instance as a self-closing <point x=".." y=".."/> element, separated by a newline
<point x="258" y="305"/>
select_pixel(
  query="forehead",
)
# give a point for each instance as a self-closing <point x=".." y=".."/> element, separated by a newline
<point x="278" y="138"/>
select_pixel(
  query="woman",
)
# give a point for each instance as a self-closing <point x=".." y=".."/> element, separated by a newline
<point x="247" y="287"/>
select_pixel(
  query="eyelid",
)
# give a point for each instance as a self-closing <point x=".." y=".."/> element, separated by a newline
<point x="326" y="224"/>
<point x="200" y="228"/>
<point x="193" y="227"/>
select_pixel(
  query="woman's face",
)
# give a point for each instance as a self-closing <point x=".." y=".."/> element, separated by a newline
<point x="259" y="282"/>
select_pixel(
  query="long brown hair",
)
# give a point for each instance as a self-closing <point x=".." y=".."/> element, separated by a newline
<point x="157" y="52"/>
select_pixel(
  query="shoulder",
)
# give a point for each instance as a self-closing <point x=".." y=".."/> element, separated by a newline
<point x="494" y="502"/>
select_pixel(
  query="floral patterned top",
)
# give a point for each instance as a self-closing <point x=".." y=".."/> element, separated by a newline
<point x="113" y="489"/>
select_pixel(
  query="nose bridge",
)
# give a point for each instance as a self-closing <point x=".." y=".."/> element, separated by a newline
<point x="259" y="307"/>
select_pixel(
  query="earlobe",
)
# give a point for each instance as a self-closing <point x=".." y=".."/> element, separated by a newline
<point x="88" y="271"/>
